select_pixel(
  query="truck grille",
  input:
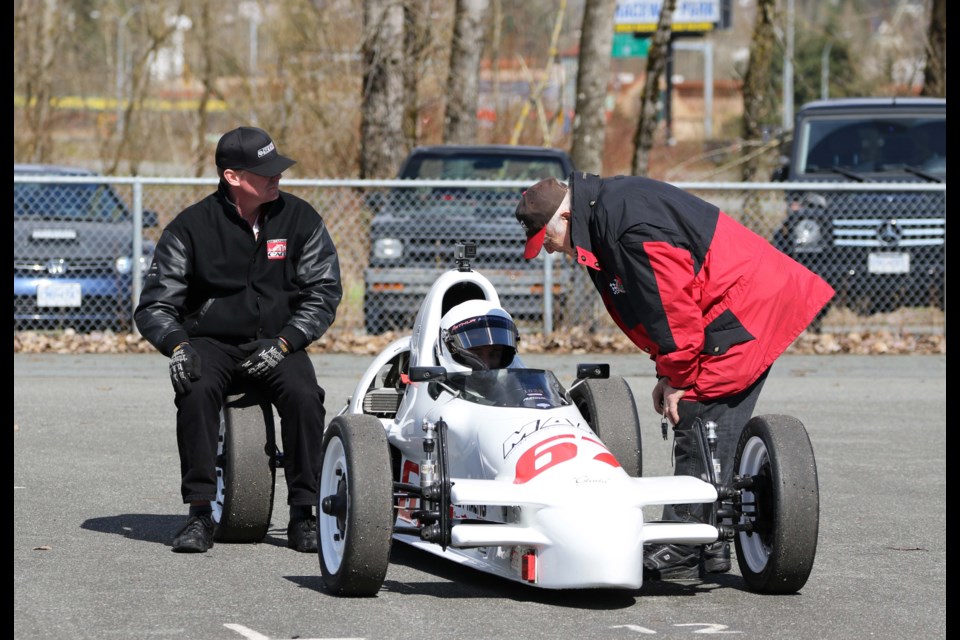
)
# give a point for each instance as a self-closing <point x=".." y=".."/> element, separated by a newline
<point x="881" y="233"/>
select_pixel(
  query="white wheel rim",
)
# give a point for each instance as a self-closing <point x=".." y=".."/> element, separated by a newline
<point x="332" y="540"/>
<point x="217" y="504"/>
<point x="754" y="551"/>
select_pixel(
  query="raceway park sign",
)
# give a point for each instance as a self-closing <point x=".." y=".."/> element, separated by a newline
<point x="641" y="16"/>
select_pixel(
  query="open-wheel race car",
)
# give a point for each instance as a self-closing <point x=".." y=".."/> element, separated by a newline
<point x="505" y="470"/>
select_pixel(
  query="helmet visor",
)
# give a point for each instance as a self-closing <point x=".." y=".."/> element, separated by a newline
<point x="483" y="330"/>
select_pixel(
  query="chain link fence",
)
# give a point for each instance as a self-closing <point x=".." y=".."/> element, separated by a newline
<point x="881" y="246"/>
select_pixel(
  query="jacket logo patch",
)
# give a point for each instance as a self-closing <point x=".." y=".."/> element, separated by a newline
<point x="276" y="249"/>
<point x="617" y="286"/>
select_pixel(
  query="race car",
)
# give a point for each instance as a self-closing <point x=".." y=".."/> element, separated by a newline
<point x="502" y="469"/>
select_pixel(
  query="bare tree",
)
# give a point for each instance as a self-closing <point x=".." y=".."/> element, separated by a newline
<point x="417" y="35"/>
<point x="657" y="56"/>
<point x="382" y="143"/>
<point x="935" y="71"/>
<point x="756" y="83"/>
<point x="593" y="70"/>
<point x="38" y="24"/>
<point x="537" y="88"/>
<point x="136" y="131"/>
<point x="463" y="78"/>
<point x="207" y="78"/>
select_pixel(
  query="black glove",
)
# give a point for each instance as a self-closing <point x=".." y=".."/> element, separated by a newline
<point x="184" y="367"/>
<point x="266" y="355"/>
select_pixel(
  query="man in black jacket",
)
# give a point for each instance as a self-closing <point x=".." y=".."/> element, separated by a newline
<point x="241" y="283"/>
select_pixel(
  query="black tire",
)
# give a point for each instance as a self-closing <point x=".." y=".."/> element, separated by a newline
<point x="608" y="407"/>
<point x="246" y="470"/>
<point x="778" y="555"/>
<point x="355" y="506"/>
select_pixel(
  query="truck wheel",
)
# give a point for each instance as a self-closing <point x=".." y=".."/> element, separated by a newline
<point x="246" y="470"/>
<point x="777" y="555"/>
<point x="608" y="407"/>
<point x="355" y="506"/>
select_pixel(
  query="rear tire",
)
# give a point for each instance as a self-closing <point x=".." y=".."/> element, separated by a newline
<point x="608" y="407"/>
<point x="246" y="470"/>
<point x="778" y="555"/>
<point x="355" y="506"/>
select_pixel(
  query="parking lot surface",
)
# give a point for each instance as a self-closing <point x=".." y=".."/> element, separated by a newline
<point x="96" y="501"/>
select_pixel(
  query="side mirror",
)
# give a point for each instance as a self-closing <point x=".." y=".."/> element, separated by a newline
<point x="585" y="371"/>
<point x="427" y="374"/>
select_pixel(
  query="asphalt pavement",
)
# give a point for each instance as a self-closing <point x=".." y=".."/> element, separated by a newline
<point x="96" y="501"/>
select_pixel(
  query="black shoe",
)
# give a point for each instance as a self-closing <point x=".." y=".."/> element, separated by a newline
<point x="716" y="557"/>
<point x="671" y="562"/>
<point x="196" y="536"/>
<point x="302" y="534"/>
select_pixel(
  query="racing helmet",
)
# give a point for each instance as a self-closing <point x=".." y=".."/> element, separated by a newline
<point x="471" y="324"/>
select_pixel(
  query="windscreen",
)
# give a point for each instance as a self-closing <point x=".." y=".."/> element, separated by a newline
<point x="527" y="388"/>
<point x="886" y="143"/>
<point x="72" y="202"/>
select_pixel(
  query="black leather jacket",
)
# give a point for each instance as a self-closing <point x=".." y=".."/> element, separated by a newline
<point x="211" y="277"/>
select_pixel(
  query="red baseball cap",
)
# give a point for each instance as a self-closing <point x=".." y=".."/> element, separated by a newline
<point x="536" y="209"/>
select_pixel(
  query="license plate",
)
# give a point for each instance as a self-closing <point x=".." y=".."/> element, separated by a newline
<point x="58" y="294"/>
<point x="888" y="263"/>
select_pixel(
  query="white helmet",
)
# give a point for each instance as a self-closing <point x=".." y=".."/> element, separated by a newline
<point x="471" y="324"/>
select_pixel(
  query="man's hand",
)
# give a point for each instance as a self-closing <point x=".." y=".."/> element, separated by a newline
<point x="184" y="367"/>
<point x="666" y="400"/>
<point x="266" y="355"/>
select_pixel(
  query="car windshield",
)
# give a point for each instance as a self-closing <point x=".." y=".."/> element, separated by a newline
<point x="887" y="143"/>
<point x="529" y="388"/>
<point x="71" y="202"/>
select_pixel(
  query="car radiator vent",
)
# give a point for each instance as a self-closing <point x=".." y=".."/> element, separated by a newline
<point x="382" y="402"/>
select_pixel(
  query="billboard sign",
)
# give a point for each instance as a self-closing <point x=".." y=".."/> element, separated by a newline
<point x="641" y="16"/>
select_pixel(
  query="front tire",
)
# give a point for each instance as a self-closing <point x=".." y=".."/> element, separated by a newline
<point x="355" y="506"/>
<point x="608" y="407"/>
<point x="777" y="556"/>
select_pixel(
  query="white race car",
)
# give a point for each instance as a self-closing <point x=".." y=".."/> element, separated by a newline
<point x="506" y="471"/>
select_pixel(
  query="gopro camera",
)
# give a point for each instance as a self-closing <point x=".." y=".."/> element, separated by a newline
<point x="464" y="253"/>
<point x="466" y="250"/>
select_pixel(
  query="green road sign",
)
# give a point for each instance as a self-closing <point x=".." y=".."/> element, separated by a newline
<point x="627" y="45"/>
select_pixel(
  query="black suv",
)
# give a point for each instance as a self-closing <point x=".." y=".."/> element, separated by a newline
<point x="414" y="228"/>
<point x="879" y="248"/>
<point x="72" y="251"/>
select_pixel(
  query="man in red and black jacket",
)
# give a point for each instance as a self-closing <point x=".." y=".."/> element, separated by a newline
<point x="711" y="302"/>
<point x="241" y="283"/>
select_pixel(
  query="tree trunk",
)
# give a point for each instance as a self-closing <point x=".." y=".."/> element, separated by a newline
<point x="657" y="57"/>
<point x="756" y="83"/>
<point x="463" y="79"/>
<point x="416" y="21"/>
<point x="382" y="144"/>
<point x="593" y="71"/>
<point x="34" y="65"/>
<point x="935" y="71"/>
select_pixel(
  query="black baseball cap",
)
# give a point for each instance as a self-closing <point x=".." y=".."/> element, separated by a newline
<point x="251" y="149"/>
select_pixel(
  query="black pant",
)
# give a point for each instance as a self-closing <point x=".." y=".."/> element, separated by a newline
<point x="291" y="387"/>
<point x="730" y="414"/>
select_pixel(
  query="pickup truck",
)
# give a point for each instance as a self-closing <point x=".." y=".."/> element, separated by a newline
<point x="882" y="248"/>
<point x="414" y="228"/>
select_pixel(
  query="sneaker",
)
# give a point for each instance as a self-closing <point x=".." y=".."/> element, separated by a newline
<point x="716" y="557"/>
<point x="302" y="535"/>
<point x="196" y="536"/>
<point x="671" y="562"/>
